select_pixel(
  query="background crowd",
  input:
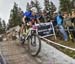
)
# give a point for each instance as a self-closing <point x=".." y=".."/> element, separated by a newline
<point x="64" y="21"/>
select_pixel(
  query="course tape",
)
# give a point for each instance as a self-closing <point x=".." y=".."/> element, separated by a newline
<point x="73" y="49"/>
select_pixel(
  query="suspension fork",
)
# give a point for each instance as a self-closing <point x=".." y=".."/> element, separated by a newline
<point x="33" y="34"/>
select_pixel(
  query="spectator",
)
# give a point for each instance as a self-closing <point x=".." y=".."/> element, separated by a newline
<point x="67" y="20"/>
<point x="73" y="23"/>
<point x="68" y="25"/>
<point x="59" y="21"/>
<point x="54" y="22"/>
<point x="43" y="17"/>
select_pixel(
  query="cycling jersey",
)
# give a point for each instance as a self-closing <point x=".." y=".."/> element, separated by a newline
<point x="29" y="16"/>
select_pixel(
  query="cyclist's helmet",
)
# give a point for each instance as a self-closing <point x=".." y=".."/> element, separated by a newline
<point x="34" y="9"/>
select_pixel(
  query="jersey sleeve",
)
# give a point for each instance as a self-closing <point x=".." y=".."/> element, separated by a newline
<point x="26" y="14"/>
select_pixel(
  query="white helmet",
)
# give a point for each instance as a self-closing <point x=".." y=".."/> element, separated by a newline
<point x="34" y="9"/>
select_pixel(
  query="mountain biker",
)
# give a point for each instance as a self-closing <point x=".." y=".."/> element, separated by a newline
<point x="29" y="18"/>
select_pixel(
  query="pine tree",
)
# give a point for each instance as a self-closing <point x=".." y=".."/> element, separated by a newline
<point x="15" y="16"/>
<point x="32" y="3"/>
<point x="4" y="24"/>
<point x="28" y="7"/>
<point x="19" y="17"/>
<point x="73" y="4"/>
<point x="65" y="5"/>
<point x="53" y="8"/>
<point x="47" y="5"/>
<point x="37" y="5"/>
<point x="49" y="8"/>
<point x="1" y="27"/>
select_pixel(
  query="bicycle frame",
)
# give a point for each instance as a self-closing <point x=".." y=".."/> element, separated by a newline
<point x="33" y="28"/>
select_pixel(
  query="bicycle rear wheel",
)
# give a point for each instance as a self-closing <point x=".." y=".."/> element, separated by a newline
<point x="34" y="45"/>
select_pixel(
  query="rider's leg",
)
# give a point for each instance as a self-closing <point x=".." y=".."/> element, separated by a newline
<point x="22" y="38"/>
<point x="22" y="28"/>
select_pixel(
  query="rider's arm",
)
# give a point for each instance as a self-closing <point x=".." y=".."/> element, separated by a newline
<point x="38" y="20"/>
<point x="23" y="19"/>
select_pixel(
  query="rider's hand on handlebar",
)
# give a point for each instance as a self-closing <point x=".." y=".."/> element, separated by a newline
<point x="28" y="24"/>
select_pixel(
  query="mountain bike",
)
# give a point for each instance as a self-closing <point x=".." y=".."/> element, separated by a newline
<point x="33" y="40"/>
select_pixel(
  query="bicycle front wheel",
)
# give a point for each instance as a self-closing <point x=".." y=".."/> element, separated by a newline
<point x="34" y="45"/>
